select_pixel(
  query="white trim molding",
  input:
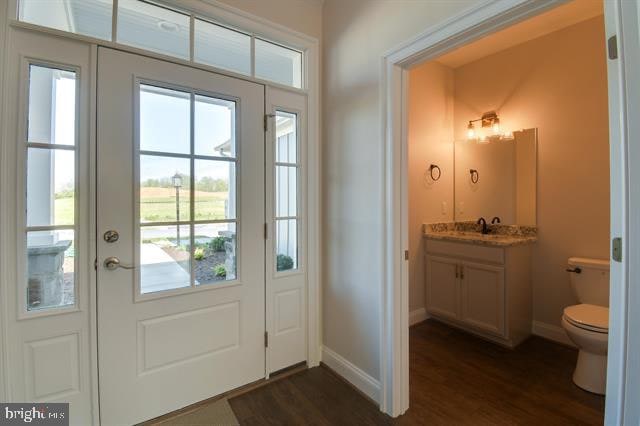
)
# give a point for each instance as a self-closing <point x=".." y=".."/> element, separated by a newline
<point x="551" y="332"/>
<point x="4" y="221"/>
<point x="484" y="18"/>
<point x="354" y="375"/>
<point x="417" y="316"/>
<point x="622" y="28"/>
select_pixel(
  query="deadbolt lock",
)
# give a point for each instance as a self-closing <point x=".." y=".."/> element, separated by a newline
<point x="111" y="236"/>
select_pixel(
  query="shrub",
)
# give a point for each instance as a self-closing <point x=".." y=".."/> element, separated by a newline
<point x="198" y="254"/>
<point x="284" y="262"/>
<point x="217" y="244"/>
<point x="220" y="271"/>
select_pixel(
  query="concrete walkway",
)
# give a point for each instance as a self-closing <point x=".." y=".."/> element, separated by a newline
<point x="159" y="271"/>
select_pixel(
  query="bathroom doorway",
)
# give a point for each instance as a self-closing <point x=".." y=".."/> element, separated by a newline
<point x="463" y="124"/>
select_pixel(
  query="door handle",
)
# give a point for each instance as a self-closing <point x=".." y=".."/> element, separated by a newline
<point x="462" y="272"/>
<point x="112" y="263"/>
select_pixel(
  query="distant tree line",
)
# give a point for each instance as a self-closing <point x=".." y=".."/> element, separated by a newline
<point x="206" y="184"/>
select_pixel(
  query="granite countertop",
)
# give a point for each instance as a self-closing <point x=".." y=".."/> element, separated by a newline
<point x="470" y="232"/>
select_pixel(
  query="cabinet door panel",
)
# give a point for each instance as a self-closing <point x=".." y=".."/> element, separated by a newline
<point x="442" y="287"/>
<point x="482" y="293"/>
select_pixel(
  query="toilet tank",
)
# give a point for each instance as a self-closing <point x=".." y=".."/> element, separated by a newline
<point x="591" y="285"/>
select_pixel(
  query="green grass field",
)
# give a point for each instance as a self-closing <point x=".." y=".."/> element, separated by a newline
<point x="159" y="205"/>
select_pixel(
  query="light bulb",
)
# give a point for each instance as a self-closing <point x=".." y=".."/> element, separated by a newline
<point x="471" y="133"/>
<point x="496" y="126"/>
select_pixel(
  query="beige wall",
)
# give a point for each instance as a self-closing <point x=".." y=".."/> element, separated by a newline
<point x="356" y="33"/>
<point x="558" y="84"/>
<point x="304" y="16"/>
<point x="430" y="139"/>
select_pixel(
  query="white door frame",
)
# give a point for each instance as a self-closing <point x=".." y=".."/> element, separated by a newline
<point x="472" y="24"/>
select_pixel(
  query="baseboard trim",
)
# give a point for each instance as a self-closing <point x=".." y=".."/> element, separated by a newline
<point x="350" y="372"/>
<point x="551" y="332"/>
<point x="418" y="315"/>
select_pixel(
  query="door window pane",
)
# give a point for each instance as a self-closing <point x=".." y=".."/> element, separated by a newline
<point x="164" y="189"/>
<point x="170" y="257"/>
<point x="286" y="191"/>
<point x="222" y="47"/>
<point x="148" y="26"/>
<point x="277" y="63"/>
<point x="87" y="17"/>
<point x="286" y="244"/>
<point x="50" y="187"/>
<point x="52" y="106"/>
<point x="214" y="252"/>
<point x="164" y="258"/>
<point x="286" y="137"/>
<point x="164" y="120"/>
<point x="215" y="190"/>
<point x="215" y="127"/>
<point x="50" y="269"/>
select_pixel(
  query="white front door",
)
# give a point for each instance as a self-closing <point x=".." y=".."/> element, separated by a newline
<point x="180" y="195"/>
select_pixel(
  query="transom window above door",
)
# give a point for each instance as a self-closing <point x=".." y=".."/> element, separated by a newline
<point x="187" y="201"/>
<point x="164" y="29"/>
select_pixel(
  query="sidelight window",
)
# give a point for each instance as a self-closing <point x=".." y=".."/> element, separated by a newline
<point x="287" y="212"/>
<point x="51" y="188"/>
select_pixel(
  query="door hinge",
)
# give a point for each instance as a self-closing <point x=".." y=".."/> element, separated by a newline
<point x="95" y="264"/>
<point x="266" y="339"/>
<point x="266" y="232"/>
<point x="266" y="121"/>
<point x="616" y="249"/>
<point x="406" y="255"/>
<point x="612" y="47"/>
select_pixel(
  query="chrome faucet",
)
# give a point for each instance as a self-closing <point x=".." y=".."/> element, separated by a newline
<point x="485" y="228"/>
<point x="495" y="220"/>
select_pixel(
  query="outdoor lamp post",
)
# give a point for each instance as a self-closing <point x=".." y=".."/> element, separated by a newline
<point x="177" y="184"/>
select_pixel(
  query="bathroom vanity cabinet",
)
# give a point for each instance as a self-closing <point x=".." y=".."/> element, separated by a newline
<point x="483" y="289"/>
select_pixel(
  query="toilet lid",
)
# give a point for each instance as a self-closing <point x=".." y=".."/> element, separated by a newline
<point x="590" y="317"/>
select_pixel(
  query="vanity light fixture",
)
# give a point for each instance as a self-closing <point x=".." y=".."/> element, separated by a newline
<point x="488" y="120"/>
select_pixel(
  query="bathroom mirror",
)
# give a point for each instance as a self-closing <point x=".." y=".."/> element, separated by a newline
<point x="497" y="178"/>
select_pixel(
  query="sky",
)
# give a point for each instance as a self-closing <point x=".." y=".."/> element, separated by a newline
<point x="164" y="127"/>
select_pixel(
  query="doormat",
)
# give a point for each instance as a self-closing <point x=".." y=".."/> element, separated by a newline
<point x="218" y="413"/>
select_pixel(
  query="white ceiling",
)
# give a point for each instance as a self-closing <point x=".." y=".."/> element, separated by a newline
<point x="560" y="17"/>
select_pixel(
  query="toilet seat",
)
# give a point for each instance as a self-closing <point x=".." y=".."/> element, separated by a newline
<point x="588" y="317"/>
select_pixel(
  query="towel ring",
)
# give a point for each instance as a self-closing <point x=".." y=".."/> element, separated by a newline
<point x="439" y="173"/>
<point x="475" y="176"/>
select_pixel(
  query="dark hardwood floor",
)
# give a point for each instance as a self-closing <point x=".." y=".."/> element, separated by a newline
<point x="456" y="379"/>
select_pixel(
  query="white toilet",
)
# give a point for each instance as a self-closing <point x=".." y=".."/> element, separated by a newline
<point x="587" y="324"/>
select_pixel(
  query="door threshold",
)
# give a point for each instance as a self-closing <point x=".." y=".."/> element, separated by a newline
<point x="274" y="377"/>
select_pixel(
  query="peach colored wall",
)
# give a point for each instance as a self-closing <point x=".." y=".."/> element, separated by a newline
<point x="430" y="140"/>
<point x="558" y="84"/>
